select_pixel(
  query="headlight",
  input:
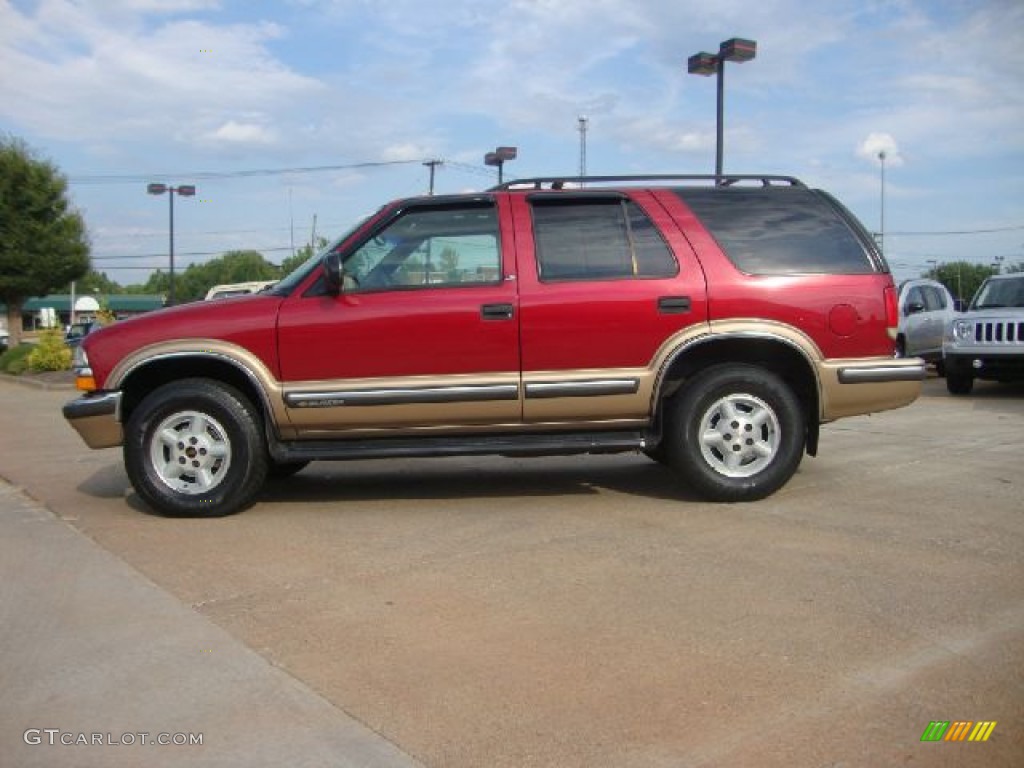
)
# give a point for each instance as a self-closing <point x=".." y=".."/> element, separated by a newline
<point x="79" y="359"/>
<point x="963" y="330"/>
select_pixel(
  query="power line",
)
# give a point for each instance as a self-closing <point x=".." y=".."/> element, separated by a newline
<point x="960" y="232"/>
<point x="472" y="169"/>
<point x="163" y="255"/>
<point x="135" y="178"/>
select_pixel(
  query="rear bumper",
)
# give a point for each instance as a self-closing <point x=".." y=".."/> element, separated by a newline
<point x="855" y="387"/>
<point x="97" y="418"/>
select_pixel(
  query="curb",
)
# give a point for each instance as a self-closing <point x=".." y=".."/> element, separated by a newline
<point x="38" y="383"/>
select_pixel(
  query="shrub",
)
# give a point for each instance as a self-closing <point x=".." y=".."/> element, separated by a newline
<point x="51" y="353"/>
<point x="15" y="359"/>
<point x="105" y="316"/>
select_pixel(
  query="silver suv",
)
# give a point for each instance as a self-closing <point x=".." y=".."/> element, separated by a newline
<point x="926" y="311"/>
<point x="987" y="342"/>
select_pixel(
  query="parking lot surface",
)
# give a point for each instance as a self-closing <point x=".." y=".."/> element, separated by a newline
<point x="583" y="611"/>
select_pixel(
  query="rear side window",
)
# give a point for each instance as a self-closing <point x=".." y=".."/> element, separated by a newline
<point x="779" y="231"/>
<point x="598" y="239"/>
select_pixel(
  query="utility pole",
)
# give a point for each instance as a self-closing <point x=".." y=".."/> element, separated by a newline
<point x="432" y="164"/>
<point x="581" y="125"/>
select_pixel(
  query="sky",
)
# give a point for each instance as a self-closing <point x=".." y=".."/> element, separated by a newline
<point x="299" y="117"/>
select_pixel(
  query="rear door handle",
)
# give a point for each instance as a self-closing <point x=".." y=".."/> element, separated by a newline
<point x="496" y="311"/>
<point x="673" y="305"/>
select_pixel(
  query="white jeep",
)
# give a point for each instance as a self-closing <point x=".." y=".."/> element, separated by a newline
<point x="987" y="342"/>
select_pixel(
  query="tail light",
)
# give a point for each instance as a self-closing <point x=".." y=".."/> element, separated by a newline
<point x="892" y="310"/>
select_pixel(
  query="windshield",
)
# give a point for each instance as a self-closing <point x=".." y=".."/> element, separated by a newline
<point x="996" y="294"/>
<point x="286" y="285"/>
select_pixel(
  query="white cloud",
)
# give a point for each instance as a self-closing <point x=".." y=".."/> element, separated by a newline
<point x="80" y="78"/>
<point x="242" y="133"/>
<point x="405" y="151"/>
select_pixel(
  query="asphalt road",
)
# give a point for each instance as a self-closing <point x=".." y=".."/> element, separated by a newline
<point x="588" y="611"/>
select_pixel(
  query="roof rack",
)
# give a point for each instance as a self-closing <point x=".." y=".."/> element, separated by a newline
<point x="721" y="181"/>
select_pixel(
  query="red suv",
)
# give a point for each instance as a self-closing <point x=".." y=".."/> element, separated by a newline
<point x="712" y="323"/>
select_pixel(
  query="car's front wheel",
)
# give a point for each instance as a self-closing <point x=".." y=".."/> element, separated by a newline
<point x="736" y="433"/>
<point x="195" y="448"/>
<point x="959" y="383"/>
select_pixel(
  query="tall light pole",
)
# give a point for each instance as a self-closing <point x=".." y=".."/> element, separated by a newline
<point x="734" y="49"/>
<point x="498" y="158"/>
<point x="582" y="123"/>
<point x="881" y="231"/>
<point x="185" y="190"/>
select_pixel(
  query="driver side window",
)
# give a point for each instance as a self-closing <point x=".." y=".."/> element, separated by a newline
<point x="429" y="248"/>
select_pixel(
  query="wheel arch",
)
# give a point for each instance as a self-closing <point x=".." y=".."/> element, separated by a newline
<point x="782" y="356"/>
<point x="151" y="373"/>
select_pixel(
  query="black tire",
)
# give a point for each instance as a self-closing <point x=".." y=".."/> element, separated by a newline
<point x="751" y="455"/>
<point x="658" y="454"/>
<point x="959" y="383"/>
<point x="207" y="427"/>
<point x="282" y="470"/>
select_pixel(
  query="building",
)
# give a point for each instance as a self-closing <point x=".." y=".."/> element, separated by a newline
<point x="55" y="309"/>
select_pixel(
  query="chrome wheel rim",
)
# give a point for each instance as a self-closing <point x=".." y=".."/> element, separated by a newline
<point x="739" y="435"/>
<point x="190" y="452"/>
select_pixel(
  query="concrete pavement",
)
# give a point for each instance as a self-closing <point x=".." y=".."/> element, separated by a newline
<point x="101" y="667"/>
<point x="587" y="611"/>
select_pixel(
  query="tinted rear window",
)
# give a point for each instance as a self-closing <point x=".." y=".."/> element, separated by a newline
<point x="598" y="239"/>
<point x="779" y="231"/>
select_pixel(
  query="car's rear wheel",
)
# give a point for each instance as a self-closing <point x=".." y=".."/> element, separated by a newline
<point x="195" y="448"/>
<point x="736" y="433"/>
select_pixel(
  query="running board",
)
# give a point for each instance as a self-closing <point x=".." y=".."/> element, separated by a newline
<point x="541" y="444"/>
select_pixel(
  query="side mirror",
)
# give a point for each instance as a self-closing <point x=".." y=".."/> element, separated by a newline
<point x="332" y="272"/>
<point x="914" y="307"/>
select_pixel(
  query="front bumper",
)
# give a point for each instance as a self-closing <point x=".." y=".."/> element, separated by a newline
<point x="859" y="386"/>
<point x="97" y="418"/>
<point x="985" y="364"/>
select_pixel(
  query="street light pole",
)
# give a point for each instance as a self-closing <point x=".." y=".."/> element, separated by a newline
<point x="186" y="190"/>
<point x="498" y="158"/>
<point x="703" y="63"/>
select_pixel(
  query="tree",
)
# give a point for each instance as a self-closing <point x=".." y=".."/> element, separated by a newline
<point x="43" y="244"/>
<point x="961" y="277"/>
<point x="232" y="267"/>
<point x="299" y="258"/>
<point x="97" y="282"/>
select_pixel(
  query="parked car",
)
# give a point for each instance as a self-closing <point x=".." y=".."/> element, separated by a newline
<point x="77" y="331"/>
<point x="713" y="323"/>
<point x="926" y="311"/>
<point x="987" y="341"/>
<point x="238" y="289"/>
<point x="4" y="340"/>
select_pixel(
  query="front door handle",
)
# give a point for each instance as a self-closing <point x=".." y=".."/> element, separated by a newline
<point x="496" y="311"/>
<point x="673" y="305"/>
